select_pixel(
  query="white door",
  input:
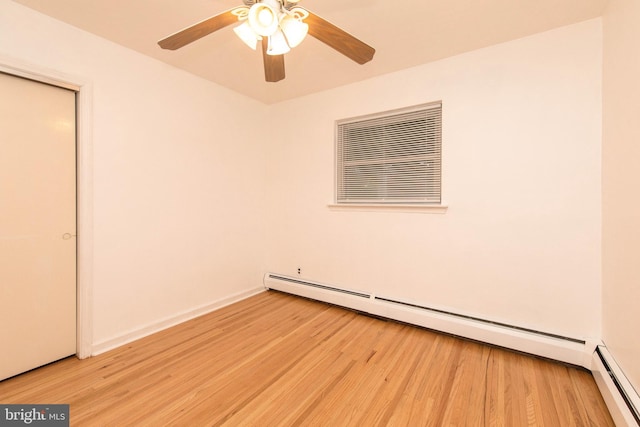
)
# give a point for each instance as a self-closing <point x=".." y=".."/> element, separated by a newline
<point x="37" y="224"/>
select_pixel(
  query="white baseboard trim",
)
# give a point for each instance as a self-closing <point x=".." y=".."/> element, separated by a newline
<point x="168" y="322"/>
<point x="617" y="391"/>
<point x="569" y="350"/>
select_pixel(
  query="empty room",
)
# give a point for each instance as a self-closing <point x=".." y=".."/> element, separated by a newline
<point x="332" y="213"/>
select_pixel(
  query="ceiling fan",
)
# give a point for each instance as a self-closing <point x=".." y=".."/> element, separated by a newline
<point x="279" y="25"/>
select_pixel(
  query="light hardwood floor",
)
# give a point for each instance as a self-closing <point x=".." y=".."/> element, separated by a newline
<point x="276" y="359"/>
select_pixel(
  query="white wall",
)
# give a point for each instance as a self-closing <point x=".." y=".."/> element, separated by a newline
<point x="521" y="240"/>
<point x="620" y="178"/>
<point x="178" y="178"/>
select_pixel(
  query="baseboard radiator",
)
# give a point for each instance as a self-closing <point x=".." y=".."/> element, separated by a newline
<point x="622" y="399"/>
<point x="620" y="396"/>
<point x="565" y="349"/>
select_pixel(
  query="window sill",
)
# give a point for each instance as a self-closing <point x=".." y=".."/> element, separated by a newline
<point x="381" y="207"/>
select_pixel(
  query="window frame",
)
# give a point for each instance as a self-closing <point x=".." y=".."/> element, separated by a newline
<point x="414" y="205"/>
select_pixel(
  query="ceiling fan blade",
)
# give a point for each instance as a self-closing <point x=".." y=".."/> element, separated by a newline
<point x="199" y="30"/>
<point x="273" y="64"/>
<point x="339" y="39"/>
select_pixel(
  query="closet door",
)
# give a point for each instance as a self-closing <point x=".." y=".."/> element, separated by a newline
<point x="37" y="224"/>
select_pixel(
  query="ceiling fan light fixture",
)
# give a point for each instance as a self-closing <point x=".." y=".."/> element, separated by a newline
<point x="277" y="44"/>
<point x="263" y="19"/>
<point x="247" y="35"/>
<point x="280" y="25"/>
<point x="294" y="30"/>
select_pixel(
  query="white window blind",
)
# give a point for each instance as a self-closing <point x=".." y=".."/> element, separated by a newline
<point x="392" y="157"/>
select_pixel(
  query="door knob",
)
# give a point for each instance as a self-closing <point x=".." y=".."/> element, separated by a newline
<point x="67" y="236"/>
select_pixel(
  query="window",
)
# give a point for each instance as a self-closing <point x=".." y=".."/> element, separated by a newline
<point x="390" y="158"/>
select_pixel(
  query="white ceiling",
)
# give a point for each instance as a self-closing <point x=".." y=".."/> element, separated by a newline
<point x="404" y="34"/>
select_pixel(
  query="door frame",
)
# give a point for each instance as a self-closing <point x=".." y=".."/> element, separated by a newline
<point x="84" y="188"/>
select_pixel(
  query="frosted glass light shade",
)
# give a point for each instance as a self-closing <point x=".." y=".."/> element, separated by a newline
<point x="263" y="19"/>
<point x="294" y="30"/>
<point x="247" y="35"/>
<point x="277" y="44"/>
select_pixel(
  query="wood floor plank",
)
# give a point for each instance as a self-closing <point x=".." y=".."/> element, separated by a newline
<point x="397" y="377"/>
<point x="279" y="360"/>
